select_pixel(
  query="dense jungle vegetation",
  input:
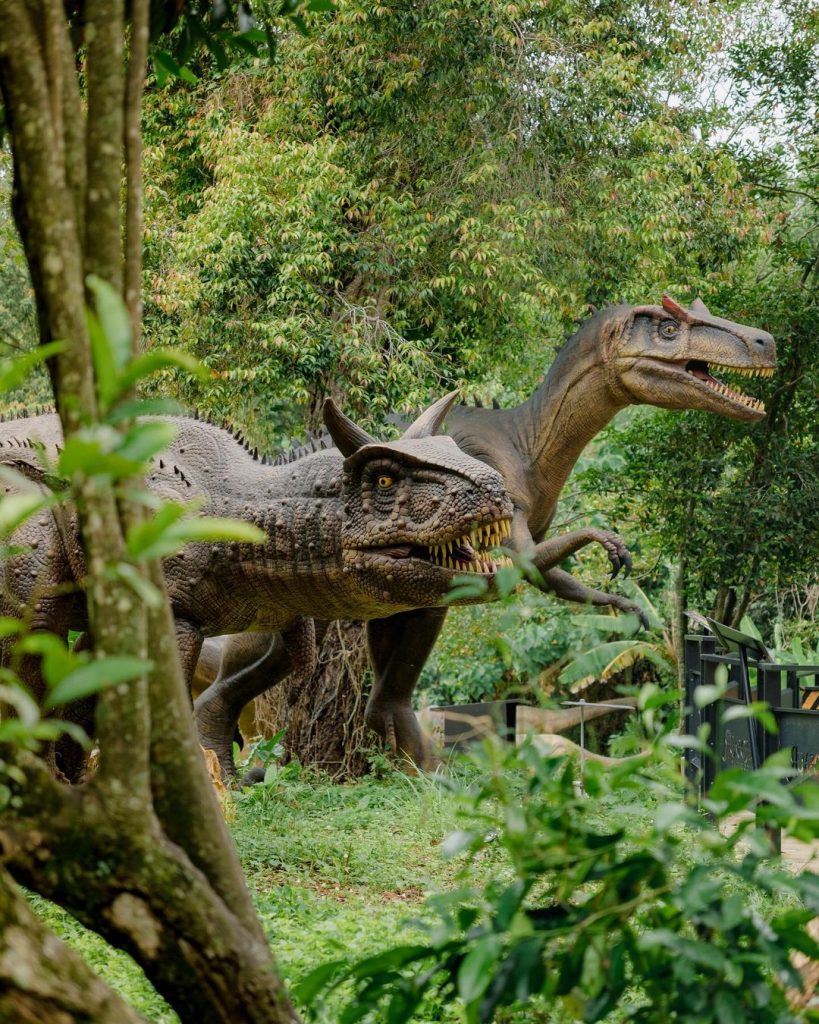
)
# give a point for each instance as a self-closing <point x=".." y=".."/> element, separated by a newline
<point x="409" y="198"/>
<point x="404" y="199"/>
<point x="382" y="201"/>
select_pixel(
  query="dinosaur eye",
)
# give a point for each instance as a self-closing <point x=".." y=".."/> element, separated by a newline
<point x="385" y="482"/>
<point x="669" y="328"/>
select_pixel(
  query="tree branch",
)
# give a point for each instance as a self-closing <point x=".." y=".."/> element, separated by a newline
<point x="41" y="979"/>
<point x="50" y="238"/>
<point x="184" y="799"/>
<point x="104" y="133"/>
<point x="133" y="164"/>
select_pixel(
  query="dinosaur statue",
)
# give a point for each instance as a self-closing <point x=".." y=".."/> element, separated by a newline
<point x="623" y="355"/>
<point x="362" y="530"/>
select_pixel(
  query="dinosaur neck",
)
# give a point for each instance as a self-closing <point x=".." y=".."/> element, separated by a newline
<point x="573" y="404"/>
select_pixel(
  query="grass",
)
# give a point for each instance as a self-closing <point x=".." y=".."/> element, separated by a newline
<point x="333" y="869"/>
<point x="336" y="871"/>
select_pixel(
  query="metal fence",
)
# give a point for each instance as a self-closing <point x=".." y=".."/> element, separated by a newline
<point x="790" y="690"/>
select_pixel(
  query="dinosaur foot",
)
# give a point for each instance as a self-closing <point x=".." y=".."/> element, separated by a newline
<point x="398" y="727"/>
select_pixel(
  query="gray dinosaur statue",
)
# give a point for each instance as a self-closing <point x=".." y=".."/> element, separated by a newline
<point x="367" y="529"/>
<point x="662" y="355"/>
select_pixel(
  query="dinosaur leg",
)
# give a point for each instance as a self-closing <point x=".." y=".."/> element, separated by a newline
<point x="300" y="641"/>
<point x="399" y="647"/>
<point x="567" y="588"/>
<point x="251" y="663"/>
<point x="550" y="553"/>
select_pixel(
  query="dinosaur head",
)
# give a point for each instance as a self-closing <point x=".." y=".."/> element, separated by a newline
<point x="417" y="511"/>
<point x="669" y="356"/>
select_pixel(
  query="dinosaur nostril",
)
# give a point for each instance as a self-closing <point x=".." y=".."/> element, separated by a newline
<point x="761" y="341"/>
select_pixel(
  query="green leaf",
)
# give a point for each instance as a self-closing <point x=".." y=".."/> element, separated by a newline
<point x="132" y="408"/>
<point x="728" y="1008"/>
<point x="114" y="319"/>
<point x="162" y="359"/>
<point x="215" y="528"/>
<point x="142" y="538"/>
<point x="166" y="67"/>
<point x="145" y="440"/>
<point x="95" y="675"/>
<point x="477" y="967"/>
<point x="86" y="453"/>
<point x="14" y="371"/>
<point x="506" y="579"/>
<point x="458" y="841"/>
<point x="15" y="509"/>
<point x="322" y="977"/>
<point x="166" y="533"/>
<point x="466" y="588"/>
<point x="757" y="709"/>
<point x="140" y="584"/>
<point x="594" y="662"/>
<point x="628" y="624"/>
<point x="709" y="694"/>
<point x="57" y="661"/>
<point x="390" y="960"/>
<point x="22" y="702"/>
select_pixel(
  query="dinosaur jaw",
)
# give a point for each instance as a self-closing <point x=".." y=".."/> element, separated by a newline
<point x="692" y="384"/>
<point x="470" y="552"/>
<point x="701" y="371"/>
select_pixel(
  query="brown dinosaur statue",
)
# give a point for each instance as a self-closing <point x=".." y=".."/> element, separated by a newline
<point x="355" y="531"/>
<point x="661" y="355"/>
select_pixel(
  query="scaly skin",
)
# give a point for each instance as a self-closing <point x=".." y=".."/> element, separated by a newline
<point x="622" y="356"/>
<point x="350" y="533"/>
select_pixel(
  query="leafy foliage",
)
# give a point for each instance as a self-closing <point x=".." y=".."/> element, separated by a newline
<point x="413" y="195"/>
<point x="595" y="918"/>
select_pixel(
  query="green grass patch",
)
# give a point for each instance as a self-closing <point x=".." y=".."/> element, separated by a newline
<point x="339" y="871"/>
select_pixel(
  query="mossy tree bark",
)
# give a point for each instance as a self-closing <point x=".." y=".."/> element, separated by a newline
<point x="324" y="725"/>
<point x="140" y="854"/>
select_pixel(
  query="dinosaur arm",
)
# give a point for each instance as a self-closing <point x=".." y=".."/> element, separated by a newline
<point x="567" y="588"/>
<point x="552" y="552"/>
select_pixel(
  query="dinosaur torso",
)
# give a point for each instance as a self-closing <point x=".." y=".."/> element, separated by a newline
<point x="305" y="567"/>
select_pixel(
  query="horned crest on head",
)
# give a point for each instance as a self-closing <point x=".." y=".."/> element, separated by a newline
<point x="349" y="437"/>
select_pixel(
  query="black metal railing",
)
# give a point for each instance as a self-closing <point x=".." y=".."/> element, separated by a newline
<point x="790" y="690"/>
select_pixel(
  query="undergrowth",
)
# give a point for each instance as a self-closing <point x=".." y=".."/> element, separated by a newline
<point x="341" y="871"/>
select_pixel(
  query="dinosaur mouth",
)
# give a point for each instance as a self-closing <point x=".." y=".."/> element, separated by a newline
<point x="471" y="552"/>
<point x="701" y="370"/>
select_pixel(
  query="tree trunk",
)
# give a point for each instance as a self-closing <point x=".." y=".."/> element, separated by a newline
<point x="325" y="726"/>
<point x="41" y="979"/>
<point x="140" y="853"/>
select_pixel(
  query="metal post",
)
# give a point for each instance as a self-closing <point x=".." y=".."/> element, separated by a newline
<point x="746" y="696"/>
<point x="583" y="704"/>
